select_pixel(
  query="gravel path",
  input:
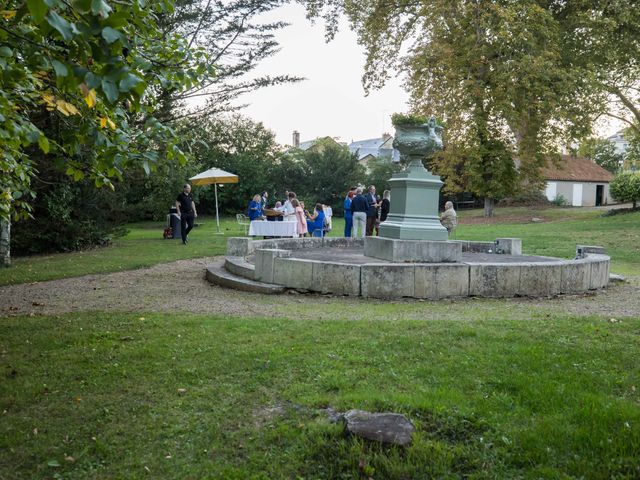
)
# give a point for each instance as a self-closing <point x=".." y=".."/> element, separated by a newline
<point x="181" y="287"/>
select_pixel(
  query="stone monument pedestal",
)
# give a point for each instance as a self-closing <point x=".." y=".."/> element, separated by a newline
<point x="414" y="206"/>
<point x="417" y="251"/>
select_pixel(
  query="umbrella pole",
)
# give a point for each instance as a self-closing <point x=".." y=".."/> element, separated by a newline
<point x="215" y="189"/>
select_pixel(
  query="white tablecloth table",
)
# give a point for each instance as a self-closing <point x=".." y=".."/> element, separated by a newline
<point x="261" y="228"/>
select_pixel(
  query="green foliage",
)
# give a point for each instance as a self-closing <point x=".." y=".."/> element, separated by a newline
<point x="560" y="201"/>
<point x="625" y="187"/>
<point x="68" y="216"/>
<point x="77" y="81"/>
<point x="329" y="170"/>
<point x="408" y="119"/>
<point x="237" y="34"/>
<point x="632" y="155"/>
<point x="602" y="152"/>
<point x="379" y="172"/>
<point x="237" y="145"/>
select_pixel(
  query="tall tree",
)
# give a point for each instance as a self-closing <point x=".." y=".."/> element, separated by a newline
<point x="602" y="38"/>
<point x="76" y="86"/>
<point x="241" y="146"/>
<point x="494" y="71"/>
<point x="602" y="152"/>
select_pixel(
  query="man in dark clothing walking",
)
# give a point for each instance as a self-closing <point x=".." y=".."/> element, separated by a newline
<point x="187" y="211"/>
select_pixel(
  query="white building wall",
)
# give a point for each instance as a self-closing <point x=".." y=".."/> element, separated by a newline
<point x="578" y="194"/>
<point x="551" y="191"/>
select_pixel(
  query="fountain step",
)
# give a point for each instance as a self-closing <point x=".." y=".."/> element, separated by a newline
<point x="240" y="267"/>
<point x="217" y="275"/>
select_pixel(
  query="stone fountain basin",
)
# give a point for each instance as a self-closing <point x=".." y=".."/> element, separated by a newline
<point x="339" y="266"/>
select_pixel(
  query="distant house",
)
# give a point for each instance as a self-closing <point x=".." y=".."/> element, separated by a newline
<point x="619" y="142"/>
<point x="579" y="180"/>
<point x="381" y="147"/>
<point x="310" y="145"/>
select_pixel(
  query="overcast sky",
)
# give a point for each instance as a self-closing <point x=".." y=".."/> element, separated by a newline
<point x="331" y="102"/>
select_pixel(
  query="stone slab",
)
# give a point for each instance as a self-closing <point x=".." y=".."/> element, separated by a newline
<point x="346" y="242"/>
<point x="239" y="246"/>
<point x="599" y="271"/>
<point x="265" y="261"/>
<point x="479" y="247"/>
<point x="576" y="276"/>
<point x="293" y="273"/>
<point x="382" y="280"/>
<point x="509" y="246"/>
<point x="422" y="251"/>
<point x="494" y="280"/>
<point x="217" y="275"/>
<point x="616" y="278"/>
<point x="240" y="267"/>
<point x="540" y="279"/>
<point x="442" y="280"/>
<point x="582" y="251"/>
<point x="336" y="278"/>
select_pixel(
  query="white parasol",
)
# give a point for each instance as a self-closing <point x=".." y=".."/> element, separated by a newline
<point x="215" y="176"/>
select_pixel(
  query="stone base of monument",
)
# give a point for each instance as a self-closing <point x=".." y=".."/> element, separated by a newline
<point x="413" y="251"/>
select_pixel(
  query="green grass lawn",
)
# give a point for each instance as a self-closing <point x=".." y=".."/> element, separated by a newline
<point x="142" y="246"/>
<point x="111" y="395"/>
<point x="163" y="396"/>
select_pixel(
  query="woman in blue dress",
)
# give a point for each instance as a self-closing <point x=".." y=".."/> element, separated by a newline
<point x="348" y="216"/>
<point x="254" y="211"/>
<point x="316" y="221"/>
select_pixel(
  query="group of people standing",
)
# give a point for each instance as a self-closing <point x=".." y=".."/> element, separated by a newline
<point x="292" y="210"/>
<point x="364" y="212"/>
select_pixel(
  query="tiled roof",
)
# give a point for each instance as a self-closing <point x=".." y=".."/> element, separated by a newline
<point x="576" y="169"/>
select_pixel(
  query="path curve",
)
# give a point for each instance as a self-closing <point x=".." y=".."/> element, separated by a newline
<point x="180" y="287"/>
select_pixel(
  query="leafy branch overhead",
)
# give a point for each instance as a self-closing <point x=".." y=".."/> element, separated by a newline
<point x="77" y="83"/>
<point x="236" y="39"/>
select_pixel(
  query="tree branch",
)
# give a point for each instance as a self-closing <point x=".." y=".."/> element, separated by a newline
<point x="195" y="33"/>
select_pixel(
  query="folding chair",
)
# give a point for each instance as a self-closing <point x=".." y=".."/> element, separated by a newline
<point x="243" y="220"/>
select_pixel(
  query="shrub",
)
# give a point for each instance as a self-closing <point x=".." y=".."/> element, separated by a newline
<point x="560" y="201"/>
<point x="408" y="119"/>
<point x="529" y="198"/>
<point x="625" y="187"/>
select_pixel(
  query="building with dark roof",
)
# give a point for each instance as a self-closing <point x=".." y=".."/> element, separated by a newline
<point x="580" y="181"/>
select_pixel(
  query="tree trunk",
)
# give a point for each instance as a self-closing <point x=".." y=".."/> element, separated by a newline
<point x="5" y="243"/>
<point x="489" y="204"/>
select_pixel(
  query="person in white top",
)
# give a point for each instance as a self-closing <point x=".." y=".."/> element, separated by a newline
<point x="288" y="210"/>
<point x="328" y="213"/>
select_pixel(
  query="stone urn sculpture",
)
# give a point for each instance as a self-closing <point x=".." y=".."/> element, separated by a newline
<point x="415" y="191"/>
<point x="416" y="142"/>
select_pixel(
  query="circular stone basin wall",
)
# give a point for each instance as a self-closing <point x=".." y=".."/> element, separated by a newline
<point x="339" y="266"/>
